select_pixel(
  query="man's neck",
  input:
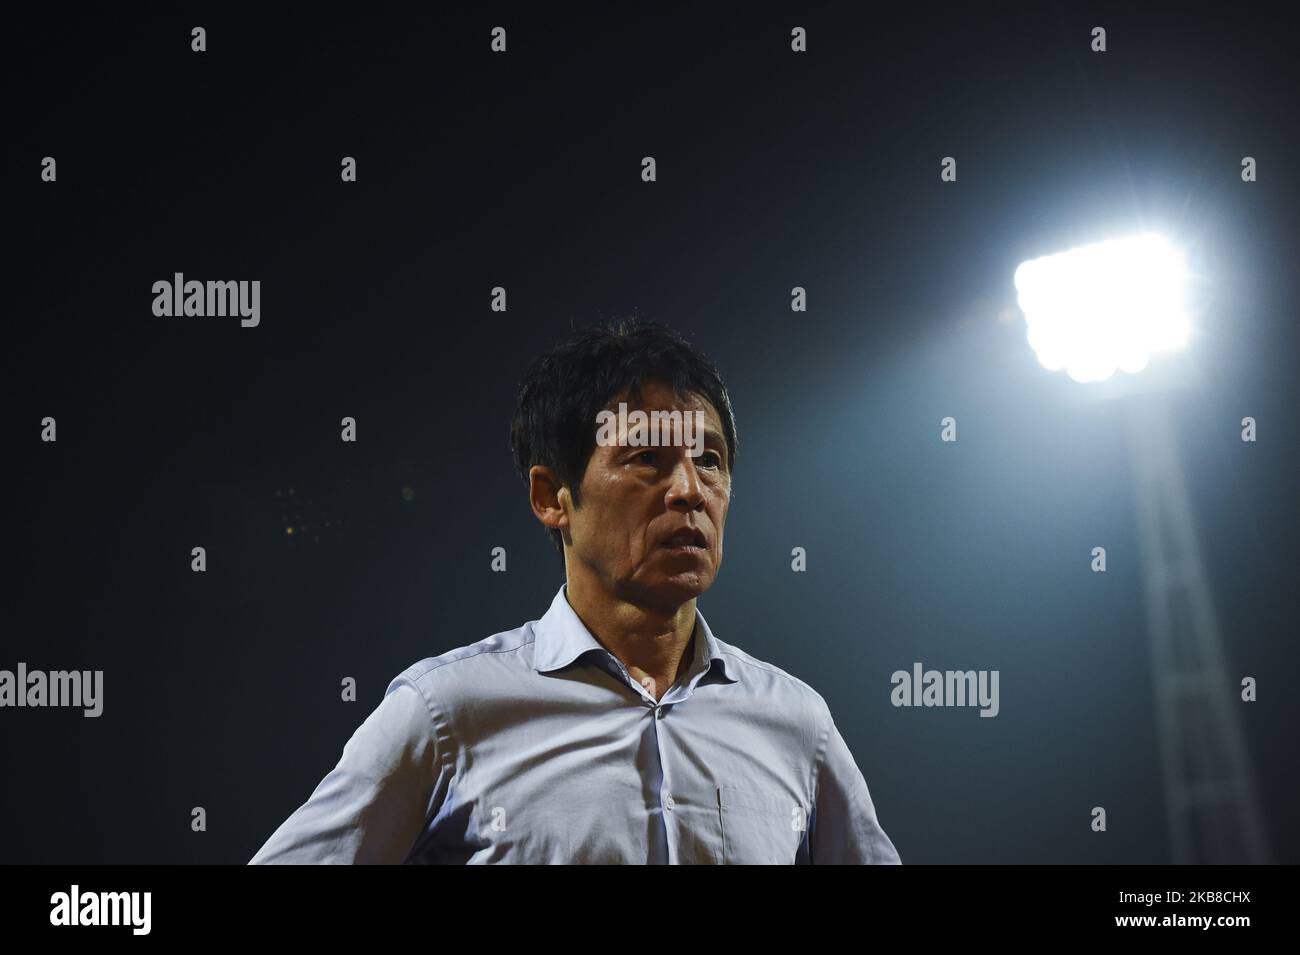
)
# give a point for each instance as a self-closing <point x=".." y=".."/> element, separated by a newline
<point x="653" y="644"/>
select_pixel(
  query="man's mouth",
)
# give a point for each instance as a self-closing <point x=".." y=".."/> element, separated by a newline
<point x="685" y="540"/>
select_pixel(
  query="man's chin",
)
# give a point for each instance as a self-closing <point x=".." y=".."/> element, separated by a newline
<point x="670" y="591"/>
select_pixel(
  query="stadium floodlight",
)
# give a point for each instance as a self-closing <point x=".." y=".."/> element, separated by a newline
<point x="1093" y="311"/>
<point x="1103" y="307"/>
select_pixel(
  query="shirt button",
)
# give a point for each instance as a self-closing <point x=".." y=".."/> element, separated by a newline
<point x="669" y="803"/>
<point x="659" y="712"/>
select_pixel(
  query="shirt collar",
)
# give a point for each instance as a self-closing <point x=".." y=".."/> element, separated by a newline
<point x="562" y="637"/>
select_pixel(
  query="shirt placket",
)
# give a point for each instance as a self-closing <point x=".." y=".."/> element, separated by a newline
<point x="667" y="848"/>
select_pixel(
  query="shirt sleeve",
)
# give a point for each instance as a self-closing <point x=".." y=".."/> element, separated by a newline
<point x="842" y="827"/>
<point x="373" y="805"/>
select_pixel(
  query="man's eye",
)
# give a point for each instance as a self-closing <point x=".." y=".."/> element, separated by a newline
<point x="709" y="459"/>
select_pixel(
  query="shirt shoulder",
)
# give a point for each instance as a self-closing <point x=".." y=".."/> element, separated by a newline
<point x="767" y="681"/>
<point x="467" y="672"/>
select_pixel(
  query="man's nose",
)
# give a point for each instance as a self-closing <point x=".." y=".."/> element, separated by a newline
<point x="685" y="492"/>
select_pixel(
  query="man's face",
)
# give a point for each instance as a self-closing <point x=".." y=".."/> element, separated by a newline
<point x="634" y="498"/>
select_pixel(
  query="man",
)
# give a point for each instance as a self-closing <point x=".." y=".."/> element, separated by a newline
<point x="617" y="728"/>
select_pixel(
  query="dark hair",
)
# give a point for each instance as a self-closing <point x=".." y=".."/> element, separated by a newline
<point x="562" y="391"/>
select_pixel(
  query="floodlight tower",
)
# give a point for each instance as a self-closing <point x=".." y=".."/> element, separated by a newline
<point x="1092" y="311"/>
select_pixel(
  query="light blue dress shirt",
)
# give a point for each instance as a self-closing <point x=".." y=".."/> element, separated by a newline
<point x="536" y="746"/>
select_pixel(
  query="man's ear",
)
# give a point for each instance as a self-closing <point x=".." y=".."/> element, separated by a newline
<point x="550" y="500"/>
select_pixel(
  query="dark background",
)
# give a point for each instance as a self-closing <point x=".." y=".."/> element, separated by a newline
<point x="523" y="170"/>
